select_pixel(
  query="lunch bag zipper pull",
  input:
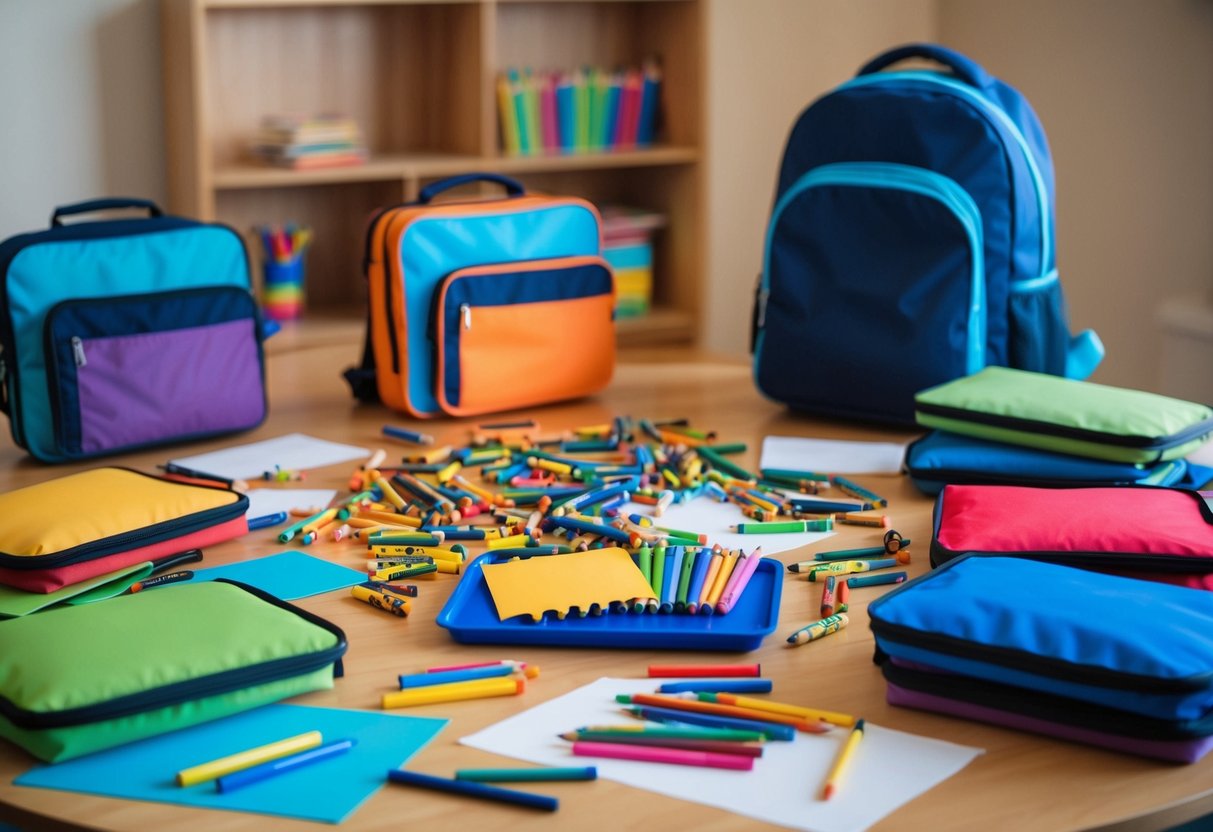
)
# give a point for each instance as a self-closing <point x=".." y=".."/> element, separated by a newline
<point x="465" y="314"/>
<point x="78" y="351"/>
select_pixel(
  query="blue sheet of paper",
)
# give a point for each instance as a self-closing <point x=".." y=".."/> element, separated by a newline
<point x="286" y="575"/>
<point x="326" y="791"/>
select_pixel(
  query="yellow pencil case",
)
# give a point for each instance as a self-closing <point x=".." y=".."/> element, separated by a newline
<point x="73" y="528"/>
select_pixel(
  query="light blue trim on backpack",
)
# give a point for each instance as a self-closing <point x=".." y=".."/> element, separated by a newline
<point x="986" y="105"/>
<point x="1033" y="284"/>
<point x="906" y="178"/>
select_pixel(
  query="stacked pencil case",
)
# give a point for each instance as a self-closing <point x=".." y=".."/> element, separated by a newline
<point x="73" y="528"/>
<point x="1158" y="534"/>
<point x="1066" y="416"/>
<point x="941" y="458"/>
<point x="485" y="305"/>
<point x="80" y="679"/>
<point x="1054" y="650"/>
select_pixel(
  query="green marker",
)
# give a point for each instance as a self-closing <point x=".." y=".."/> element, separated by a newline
<point x="527" y="775"/>
<point x="786" y="526"/>
<point x="684" y="579"/>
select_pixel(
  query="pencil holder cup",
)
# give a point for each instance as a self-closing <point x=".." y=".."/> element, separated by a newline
<point x="282" y="295"/>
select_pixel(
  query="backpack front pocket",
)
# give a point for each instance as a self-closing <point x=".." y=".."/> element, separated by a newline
<point x="843" y="325"/>
<point x="515" y="335"/>
<point x="140" y="370"/>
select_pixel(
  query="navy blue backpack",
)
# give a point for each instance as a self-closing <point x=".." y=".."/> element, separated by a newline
<point x="911" y="243"/>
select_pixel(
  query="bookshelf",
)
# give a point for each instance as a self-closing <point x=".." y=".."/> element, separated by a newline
<point x="420" y="78"/>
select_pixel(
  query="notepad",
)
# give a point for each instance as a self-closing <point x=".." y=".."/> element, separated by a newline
<point x="558" y="583"/>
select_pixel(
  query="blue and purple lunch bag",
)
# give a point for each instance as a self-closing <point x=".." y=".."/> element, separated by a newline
<point x="121" y="334"/>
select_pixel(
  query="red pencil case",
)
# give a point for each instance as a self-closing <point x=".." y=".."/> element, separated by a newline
<point x="69" y="529"/>
<point x="1157" y="534"/>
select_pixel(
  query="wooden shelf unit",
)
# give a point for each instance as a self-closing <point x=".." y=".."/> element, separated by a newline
<point x="420" y="78"/>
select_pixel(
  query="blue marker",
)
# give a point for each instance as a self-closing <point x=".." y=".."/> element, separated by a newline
<point x="470" y="788"/>
<point x="408" y="435"/>
<point x="267" y="520"/>
<point x="773" y="730"/>
<point x="441" y="677"/>
<point x="718" y="686"/>
<point x="248" y="776"/>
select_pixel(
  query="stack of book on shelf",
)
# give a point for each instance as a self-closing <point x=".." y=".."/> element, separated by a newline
<point x="627" y="244"/>
<point x="309" y="141"/>
<point x="584" y="111"/>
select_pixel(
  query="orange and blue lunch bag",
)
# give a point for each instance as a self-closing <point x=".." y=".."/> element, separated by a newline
<point x="485" y="305"/>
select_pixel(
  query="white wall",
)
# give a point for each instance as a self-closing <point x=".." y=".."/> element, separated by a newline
<point x="80" y="87"/>
<point x="768" y="59"/>
<point x="1124" y="89"/>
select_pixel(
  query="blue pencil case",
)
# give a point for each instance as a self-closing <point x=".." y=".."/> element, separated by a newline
<point x="942" y="458"/>
<point x="1138" y="647"/>
<point x="471" y="618"/>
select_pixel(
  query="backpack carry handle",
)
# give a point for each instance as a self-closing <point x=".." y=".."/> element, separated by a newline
<point x="94" y="205"/>
<point x="965" y="69"/>
<point x="512" y="186"/>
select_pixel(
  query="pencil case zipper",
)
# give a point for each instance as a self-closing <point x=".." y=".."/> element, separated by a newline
<point x="192" y="689"/>
<point x="1145" y="443"/>
<point x="156" y="533"/>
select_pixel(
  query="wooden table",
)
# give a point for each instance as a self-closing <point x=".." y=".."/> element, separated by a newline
<point x="1021" y="782"/>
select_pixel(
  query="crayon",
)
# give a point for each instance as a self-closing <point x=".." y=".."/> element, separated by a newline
<point x="819" y="629"/>
<point x="454" y="692"/>
<point x="266" y="520"/>
<point x="377" y="598"/>
<point x="408" y="435"/>
<point x="827" y="596"/>
<point x="421" y="680"/>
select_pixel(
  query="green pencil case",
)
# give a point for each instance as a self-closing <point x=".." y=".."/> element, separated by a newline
<point x="81" y="679"/>
<point x="1066" y="416"/>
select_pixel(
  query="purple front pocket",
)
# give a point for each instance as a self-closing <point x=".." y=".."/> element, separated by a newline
<point x="148" y="369"/>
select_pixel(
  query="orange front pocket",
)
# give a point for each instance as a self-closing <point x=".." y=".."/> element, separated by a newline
<point x="522" y="334"/>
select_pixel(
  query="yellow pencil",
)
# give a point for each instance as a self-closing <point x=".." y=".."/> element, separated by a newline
<point x="844" y="757"/>
<point x="244" y="759"/>
<point x="722" y="577"/>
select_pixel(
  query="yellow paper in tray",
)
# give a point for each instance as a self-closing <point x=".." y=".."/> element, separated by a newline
<point x="560" y="582"/>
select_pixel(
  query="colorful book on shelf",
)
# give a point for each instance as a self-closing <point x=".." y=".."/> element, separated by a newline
<point x="588" y="109"/>
<point x="301" y="142"/>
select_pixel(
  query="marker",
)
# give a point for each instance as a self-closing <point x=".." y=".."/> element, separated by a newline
<point x="786" y="526"/>
<point x="267" y="520"/>
<point x="715" y="746"/>
<point x="422" y="680"/>
<point x="856" y="490"/>
<point x="248" y="776"/>
<point x="245" y="759"/>
<point x="470" y="788"/>
<point x="697" y="706"/>
<point x="663" y="732"/>
<point x="454" y="692"/>
<point x="892" y="547"/>
<point x="657" y="754"/>
<point x="181" y="470"/>
<point x="819" y="629"/>
<point x="876" y="580"/>
<point x="840" y="763"/>
<point x="160" y="580"/>
<point x="408" y="435"/>
<point x="718" y="685"/>
<point x="685" y="670"/>
<point x="527" y="775"/>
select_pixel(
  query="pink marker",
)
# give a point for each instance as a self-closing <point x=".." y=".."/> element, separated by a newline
<point x="658" y="754"/>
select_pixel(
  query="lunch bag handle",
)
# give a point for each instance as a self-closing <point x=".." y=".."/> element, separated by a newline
<point x="512" y="186"/>
<point x="965" y="69"/>
<point x="110" y="204"/>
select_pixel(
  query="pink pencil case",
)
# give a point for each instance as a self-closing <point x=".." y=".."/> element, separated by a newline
<point x="1157" y="534"/>
<point x="69" y="529"/>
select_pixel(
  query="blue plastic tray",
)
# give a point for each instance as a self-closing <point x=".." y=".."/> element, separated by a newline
<point x="470" y="616"/>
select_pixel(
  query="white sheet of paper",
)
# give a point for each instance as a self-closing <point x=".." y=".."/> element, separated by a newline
<point x="707" y="516"/>
<point x="832" y="456"/>
<point x="785" y="785"/>
<point x="263" y="501"/>
<point x="293" y="452"/>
